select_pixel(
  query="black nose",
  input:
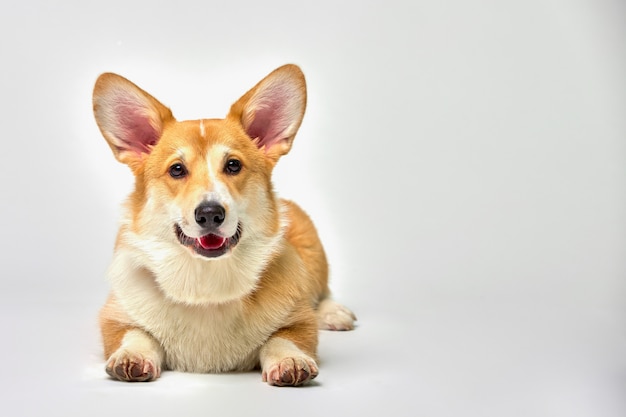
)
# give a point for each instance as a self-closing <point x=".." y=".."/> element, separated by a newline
<point x="210" y="214"/>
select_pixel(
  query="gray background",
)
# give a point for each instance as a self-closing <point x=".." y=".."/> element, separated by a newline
<point x="463" y="160"/>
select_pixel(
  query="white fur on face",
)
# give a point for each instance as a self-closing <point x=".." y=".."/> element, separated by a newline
<point x="202" y="131"/>
<point x="219" y="192"/>
<point x="216" y="192"/>
<point x="185" y="276"/>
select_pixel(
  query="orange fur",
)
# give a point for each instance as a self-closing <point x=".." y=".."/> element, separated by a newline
<point x="112" y="334"/>
<point x="250" y="299"/>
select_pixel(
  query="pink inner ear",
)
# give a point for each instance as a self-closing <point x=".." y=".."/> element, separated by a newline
<point x="264" y="127"/>
<point x="272" y="114"/>
<point x="134" y="128"/>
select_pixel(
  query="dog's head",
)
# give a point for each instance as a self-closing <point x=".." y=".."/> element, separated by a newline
<point x="202" y="184"/>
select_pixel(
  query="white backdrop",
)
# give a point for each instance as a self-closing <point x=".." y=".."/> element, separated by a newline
<point x="464" y="162"/>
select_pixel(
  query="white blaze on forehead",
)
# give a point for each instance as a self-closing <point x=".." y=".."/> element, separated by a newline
<point x="216" y="157"/>
<point x="218" y="191"/>
<point x="202" y="131"/>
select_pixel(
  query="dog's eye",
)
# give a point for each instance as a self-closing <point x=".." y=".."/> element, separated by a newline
<point x="233" y="166"/>
<point x="178" y="171"/>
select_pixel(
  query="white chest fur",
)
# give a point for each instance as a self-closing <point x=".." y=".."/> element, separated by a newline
<point x="195" y="338"/>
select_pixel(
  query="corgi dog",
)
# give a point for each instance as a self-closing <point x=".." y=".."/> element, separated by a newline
<point x="211" y="272"/>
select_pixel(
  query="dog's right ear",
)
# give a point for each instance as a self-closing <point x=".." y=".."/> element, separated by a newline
<point x="130" y="119"/>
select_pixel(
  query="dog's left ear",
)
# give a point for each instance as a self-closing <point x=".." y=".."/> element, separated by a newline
<point x="272" y="111"/>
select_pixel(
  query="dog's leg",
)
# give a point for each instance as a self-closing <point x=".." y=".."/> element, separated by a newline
<point x="284" y="364"/>
<point x="288" y="357"/>
<point x="138" y="358"/>
<point x="333" y="316"/>
<point x="131" y="353"/>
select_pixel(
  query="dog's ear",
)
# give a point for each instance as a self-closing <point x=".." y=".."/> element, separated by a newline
<point x="271" y="112"/>
<point x="130" y="119"/>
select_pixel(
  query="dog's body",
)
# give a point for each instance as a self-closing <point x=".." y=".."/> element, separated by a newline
<point x="211" y="272"/>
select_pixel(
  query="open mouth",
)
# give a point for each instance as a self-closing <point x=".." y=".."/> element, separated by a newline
<point x="210" y="245"/>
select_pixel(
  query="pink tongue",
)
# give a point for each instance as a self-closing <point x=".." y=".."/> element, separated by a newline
<point x="211" y="242"/>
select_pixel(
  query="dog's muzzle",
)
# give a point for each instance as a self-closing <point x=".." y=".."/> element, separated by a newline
<point x="209" y="216"/>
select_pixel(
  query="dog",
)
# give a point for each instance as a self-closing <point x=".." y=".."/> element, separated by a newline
<point x="211" y="272"/>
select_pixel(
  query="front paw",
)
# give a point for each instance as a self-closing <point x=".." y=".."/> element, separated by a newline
<point x="291" y="372"/>
<point x="132" y="367"/>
